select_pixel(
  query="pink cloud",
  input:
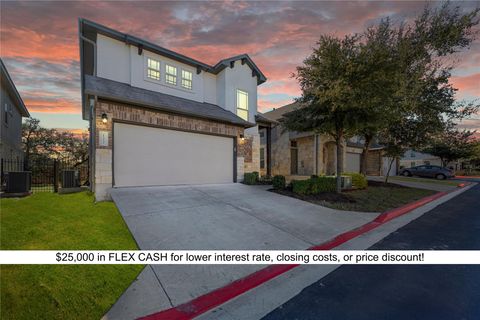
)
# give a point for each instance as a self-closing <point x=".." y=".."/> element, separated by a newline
<point x="468" y="84"/>
<point x="40" y="39"/>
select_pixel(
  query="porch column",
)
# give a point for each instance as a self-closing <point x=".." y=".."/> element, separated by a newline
<point x="269" y="150"/>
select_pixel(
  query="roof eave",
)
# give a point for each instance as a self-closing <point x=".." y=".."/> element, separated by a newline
<point x="16" y="95"/>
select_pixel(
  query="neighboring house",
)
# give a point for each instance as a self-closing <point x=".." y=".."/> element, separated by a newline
<point x="160" y="118"/>
<point x="307" y="153"/>
<point x="413" y="158"/>
<point x="13" y="109"/>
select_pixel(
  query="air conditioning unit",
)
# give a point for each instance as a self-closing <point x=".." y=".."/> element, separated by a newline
<point x="70" y="179"/>
<point x="18" y="182"/>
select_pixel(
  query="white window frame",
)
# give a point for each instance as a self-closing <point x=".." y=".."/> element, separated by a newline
<point x="148" y="68"/>
<point x="237" y="95"/>
<point x="168" y="74"/>
<point x="186" y="79"/>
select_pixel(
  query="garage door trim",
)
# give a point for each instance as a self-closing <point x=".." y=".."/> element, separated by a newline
<point x="141" y="124"/>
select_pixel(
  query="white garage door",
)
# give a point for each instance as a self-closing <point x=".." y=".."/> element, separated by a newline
<point x="353" y="162"/>
<point x="145" y="156"/>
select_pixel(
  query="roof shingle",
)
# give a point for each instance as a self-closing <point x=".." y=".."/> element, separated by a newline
<point x="122" y="92"/>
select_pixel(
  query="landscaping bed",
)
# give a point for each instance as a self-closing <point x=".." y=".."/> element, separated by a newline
<point x="377" y="197"/>
<point x="49" y="221"/>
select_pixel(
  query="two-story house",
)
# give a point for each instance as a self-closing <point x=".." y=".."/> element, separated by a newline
<point x="12" y="111"/>
<point x="161" y="118"/>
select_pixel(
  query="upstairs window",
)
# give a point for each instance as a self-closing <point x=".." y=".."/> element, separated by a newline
<point x="242" y="104"/>
<point x="170" y="75"/>
<point x="187" y="79"/>
<point x="153" y="69"/>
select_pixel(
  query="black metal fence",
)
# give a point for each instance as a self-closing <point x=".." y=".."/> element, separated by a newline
<point x="46" y="174"/>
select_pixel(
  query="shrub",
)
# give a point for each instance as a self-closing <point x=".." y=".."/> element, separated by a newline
<point x="358" y="180"/>
<point x="256" y="174"/>
<point x="250" y="178"/>
<point x="323" y="184"/>
<point x="301" y="186"/>
<point x="314" y="185"/>
<point x="278" y="182"/>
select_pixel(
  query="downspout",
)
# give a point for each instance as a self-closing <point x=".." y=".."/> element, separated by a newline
<point x="91" y="103"/>
<point x="315" y="155"/>
<point x="92" y="141"/>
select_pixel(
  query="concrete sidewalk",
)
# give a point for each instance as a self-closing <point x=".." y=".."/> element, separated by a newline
<point x="261" y="300"/>
<point x="215" y="217"/>
<point x="433" y="185"/>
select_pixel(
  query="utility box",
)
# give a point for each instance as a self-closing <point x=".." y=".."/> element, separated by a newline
<point x="346" y="182"/>
<point x="70" y="179"/>
<point x="18" y="182"/>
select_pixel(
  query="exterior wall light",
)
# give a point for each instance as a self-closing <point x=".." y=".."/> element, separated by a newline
<point x="104" y="118"/>
<point x="242" y="137"/>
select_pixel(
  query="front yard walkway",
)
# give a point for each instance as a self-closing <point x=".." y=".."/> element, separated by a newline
<point x="48" y="221"/>
<point x="215" y="217"/>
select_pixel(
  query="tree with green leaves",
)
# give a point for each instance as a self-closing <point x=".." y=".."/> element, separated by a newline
<point x="329" y="79"/>
<point x="37" y="141"/>
<point x="452" y="145"/>
<point x="42" y="143"/>
<point x="415" y="58"/>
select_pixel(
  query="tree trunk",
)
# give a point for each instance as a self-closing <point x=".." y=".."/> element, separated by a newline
<point x="339" y="143"/>
<point x="389" y="168"/>
<point x="363" y="162"/>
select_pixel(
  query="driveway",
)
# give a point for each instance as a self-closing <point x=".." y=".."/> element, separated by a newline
<point x="214" y="217"/>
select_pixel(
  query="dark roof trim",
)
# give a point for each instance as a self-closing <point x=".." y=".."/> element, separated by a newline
<point x="15" y="95"/>
<point x="124" y="93"/>
<point x="259" y="118"/>
<point x="245" y="58"/>
<point x="142" y="44"/>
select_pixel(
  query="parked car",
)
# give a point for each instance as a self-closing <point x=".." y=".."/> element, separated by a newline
<point x="428" y="171"/>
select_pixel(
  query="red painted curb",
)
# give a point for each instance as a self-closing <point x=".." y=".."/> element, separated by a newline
<point x="210" y="300"/>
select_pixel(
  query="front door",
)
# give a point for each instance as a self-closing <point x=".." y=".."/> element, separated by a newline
<point x="294" y="158"/>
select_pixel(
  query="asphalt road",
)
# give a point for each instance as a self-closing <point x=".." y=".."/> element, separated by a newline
<point x="404" y="292"/>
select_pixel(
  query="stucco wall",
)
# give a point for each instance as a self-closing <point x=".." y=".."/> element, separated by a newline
<point x="121" y="62"/>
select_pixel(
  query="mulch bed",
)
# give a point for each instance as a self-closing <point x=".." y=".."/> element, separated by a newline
<point x="382" y="184"/>
<point x="343" y="197"/>
<point x="317" y="198"/>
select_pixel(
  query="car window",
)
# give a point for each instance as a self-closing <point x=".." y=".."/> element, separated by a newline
<point x="420" y="167"/>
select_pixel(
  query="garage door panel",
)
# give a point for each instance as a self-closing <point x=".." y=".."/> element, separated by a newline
<point x="146" y="156"/>
<point x="353" y="162"/>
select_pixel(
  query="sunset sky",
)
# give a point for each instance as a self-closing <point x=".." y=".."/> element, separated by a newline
<point x="39" y="43"/>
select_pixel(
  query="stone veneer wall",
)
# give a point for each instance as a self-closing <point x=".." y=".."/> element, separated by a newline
<point x="251" y="150"/>
<point x="306" y="155"/>
<point x="134" y="114"/>
<point x="280" y="152"/>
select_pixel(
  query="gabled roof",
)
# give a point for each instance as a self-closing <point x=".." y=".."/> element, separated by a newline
<point x="122" y="92"/>
<point x="277" y="114"/>
<point x="259" y="117"/>
<point x="10" y="87"/>
<point x="90" y="26"/>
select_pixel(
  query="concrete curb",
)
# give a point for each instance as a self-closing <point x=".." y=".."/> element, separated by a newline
<point x="206" y="302"/>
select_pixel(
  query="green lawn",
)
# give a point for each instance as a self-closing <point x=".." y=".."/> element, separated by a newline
<point x="423" y="180"/>
<point x="62" y="222"/>
<point x="379" y="198"/>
